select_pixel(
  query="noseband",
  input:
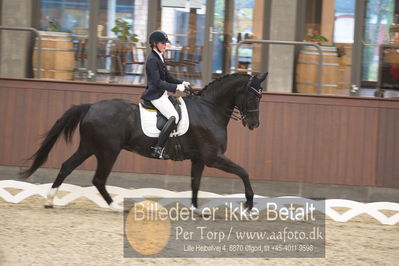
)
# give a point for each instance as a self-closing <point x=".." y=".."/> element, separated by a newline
<point x="242" y="113"/>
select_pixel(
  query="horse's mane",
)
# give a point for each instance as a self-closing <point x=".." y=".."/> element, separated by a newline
<point x="212" y="85"/>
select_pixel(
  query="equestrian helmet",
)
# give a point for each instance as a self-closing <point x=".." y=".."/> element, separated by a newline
<point x="158" y="36"/>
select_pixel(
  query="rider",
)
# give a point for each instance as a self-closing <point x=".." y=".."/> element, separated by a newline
<point x="159" y="82"/>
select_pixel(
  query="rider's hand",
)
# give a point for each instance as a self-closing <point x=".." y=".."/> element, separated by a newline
<point x="186" y="83"/>
<point x="181" y="87"/>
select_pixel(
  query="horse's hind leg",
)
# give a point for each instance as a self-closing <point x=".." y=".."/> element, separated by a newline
<point x="67" y="167"/>
<point x="105" y="162"/>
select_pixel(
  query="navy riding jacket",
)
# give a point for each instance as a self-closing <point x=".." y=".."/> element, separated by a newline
<point x="158" y="78"/>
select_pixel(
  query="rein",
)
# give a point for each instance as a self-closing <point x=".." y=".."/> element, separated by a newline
<point x="236" y="114"/>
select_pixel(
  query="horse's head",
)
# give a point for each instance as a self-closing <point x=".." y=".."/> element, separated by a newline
<point x="248" y="101"/>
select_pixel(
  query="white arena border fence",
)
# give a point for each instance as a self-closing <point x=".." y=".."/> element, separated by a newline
<point x="28" y="189"/>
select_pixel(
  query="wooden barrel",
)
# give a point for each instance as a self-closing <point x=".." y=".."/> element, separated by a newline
<point x="57" y="60"/>
<point x="307" y="70"/>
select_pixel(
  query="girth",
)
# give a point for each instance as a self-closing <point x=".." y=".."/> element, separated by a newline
<point x="161" y="119"/>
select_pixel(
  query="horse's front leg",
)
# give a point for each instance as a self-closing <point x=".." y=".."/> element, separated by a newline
<point x="225" y="164"/>
<point x="197" y="167"/>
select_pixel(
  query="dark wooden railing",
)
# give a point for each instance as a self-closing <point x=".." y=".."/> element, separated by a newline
<point x="302" y="138"/>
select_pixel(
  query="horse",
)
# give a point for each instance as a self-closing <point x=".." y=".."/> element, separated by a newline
<point x="108" y="126"/>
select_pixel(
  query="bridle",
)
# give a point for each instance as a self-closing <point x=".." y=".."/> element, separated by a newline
<point x="240" y="114"/>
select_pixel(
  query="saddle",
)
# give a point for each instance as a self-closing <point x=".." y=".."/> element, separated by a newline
<point x="161" y="119"/>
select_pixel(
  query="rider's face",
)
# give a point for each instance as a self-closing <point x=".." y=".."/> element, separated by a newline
<point x="161" y="46"/>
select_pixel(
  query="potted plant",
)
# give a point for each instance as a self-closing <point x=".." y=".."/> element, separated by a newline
<point x="320" y="38"/>
<point x="122" y="31"/>
<point x="316" y="37"/>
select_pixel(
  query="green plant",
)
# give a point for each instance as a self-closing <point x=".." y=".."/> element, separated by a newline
<point x="53" y="25"/>
<point x="320" y="38"/>
<point x="123" y="32"/>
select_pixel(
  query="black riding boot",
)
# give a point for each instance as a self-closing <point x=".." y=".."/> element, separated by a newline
<point x="159" y="149"/>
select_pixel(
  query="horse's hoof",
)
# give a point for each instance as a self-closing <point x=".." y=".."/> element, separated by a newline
<point x="249" y="205"/>
<point x="200" y="212"/>
<point x="196" y="210"/>
<point x="249" y="213"/>
<point x="116" y="207"/>
<point x="48" y="206"/>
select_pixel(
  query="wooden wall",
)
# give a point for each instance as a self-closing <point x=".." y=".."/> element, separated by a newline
<point x="317" y="139"/>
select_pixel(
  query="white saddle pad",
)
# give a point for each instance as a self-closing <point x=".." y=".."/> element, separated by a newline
<point x="149" y="121"/>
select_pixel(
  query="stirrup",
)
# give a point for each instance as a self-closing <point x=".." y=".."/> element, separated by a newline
<point x="159" y="153"/>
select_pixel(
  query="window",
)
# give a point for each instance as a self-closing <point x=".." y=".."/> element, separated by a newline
<point x="379" y="15"/>
<point x="344" y="23"/>
<point x="65" y="26"/>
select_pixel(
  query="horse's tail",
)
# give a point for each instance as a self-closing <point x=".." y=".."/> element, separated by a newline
<point x="67" y="124"/>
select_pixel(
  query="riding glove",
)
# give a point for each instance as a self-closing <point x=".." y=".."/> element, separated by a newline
<point x="180" y="87"/>
<point x="186" y="83"/>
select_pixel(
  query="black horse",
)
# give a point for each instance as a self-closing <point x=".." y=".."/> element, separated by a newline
<point x="108" y="126"/>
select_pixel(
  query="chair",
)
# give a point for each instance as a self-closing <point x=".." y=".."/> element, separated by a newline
<point x="193" y="61"/>
<point x="103" y="53"/>
<point x="136" y="55"/>
<point x="175" y="59"/>
<point x="80" y="68"/>
<point x="104" y="44"/>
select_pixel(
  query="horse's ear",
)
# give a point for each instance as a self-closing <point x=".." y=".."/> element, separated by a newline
<point x="262" y="77"/>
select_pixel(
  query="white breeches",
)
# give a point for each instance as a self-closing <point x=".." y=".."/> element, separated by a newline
<point x="166" y="107"/>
